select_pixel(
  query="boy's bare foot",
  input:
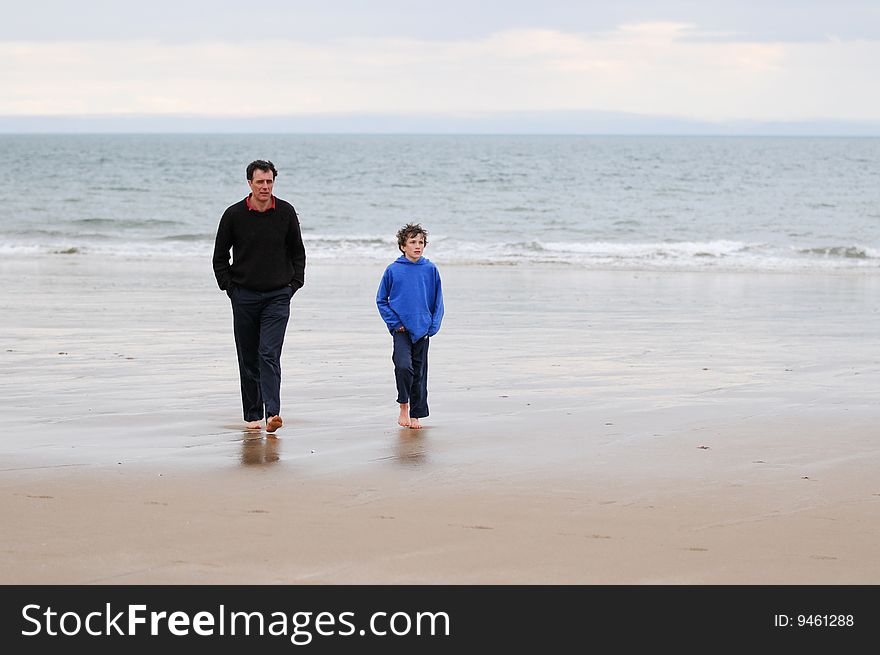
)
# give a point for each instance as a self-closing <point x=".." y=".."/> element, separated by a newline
<point x="273" y="423"/>
<point x="414" y="424"/>
<point x="253" y="425"/>
<point x="403" y="420"/>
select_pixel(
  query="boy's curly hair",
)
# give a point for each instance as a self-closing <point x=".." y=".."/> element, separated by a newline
<point x="409" y="231"/>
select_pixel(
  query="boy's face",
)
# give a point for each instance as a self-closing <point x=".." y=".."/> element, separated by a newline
<point x="414" y="247"/>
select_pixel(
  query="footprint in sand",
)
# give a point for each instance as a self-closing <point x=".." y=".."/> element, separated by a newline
<point x="474" y="527"/>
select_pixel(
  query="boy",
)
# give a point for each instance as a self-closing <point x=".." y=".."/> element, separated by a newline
<point x="410" y="301"/>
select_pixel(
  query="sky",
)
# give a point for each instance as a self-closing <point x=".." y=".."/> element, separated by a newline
<point x="707" y="62"/>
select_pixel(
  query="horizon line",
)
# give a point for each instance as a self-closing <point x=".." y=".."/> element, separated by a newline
<point x="768" y="135"/>
<point x="505" y="123"/>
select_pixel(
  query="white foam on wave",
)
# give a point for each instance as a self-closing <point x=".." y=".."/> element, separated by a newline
<point x="663" y="250"/>
<point x="689" y="255"/>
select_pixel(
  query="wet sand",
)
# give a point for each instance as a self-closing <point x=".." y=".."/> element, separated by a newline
<point x="586" y="427"/>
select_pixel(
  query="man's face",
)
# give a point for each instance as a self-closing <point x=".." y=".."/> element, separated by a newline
<point x="414" y="247"/>
<point x="261" y="185"/>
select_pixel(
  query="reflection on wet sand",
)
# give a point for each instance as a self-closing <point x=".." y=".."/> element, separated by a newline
<point x="412" y="448"/>
<point x="256" y="451"/>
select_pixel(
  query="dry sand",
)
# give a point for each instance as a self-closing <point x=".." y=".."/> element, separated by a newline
<point x="586" y="427"/>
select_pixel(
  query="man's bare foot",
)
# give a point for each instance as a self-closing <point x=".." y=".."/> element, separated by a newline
<point x="253" y="425"/>
<point x="414" y="424"/>
<point x="273" y="423"/>
<point x="403" y="420"/>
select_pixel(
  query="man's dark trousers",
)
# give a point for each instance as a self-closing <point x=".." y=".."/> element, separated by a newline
<point x="259" y="319"/>
<point x="411" y="373"/>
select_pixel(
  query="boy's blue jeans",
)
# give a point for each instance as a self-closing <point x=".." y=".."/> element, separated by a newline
<point x="411" y="373"/>
<point x="260" y="321"/>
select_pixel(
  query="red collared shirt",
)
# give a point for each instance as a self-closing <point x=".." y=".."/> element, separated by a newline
<point x="254" y="209"/>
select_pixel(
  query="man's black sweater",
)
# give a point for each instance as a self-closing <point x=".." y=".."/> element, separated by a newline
<point x="267" y="248"/>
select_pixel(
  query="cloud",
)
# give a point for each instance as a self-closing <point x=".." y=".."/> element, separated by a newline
<point x="667" y="68"/>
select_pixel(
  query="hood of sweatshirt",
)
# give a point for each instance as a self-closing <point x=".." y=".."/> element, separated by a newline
<point x="403" y="260"/>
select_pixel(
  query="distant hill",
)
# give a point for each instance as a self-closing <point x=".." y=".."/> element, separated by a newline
<point x="514" y="122"/>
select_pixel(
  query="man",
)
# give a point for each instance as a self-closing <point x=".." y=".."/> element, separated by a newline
<point x="268" y="267"/>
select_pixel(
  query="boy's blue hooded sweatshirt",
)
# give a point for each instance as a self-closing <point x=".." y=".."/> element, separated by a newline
<point x="410" y="295"/>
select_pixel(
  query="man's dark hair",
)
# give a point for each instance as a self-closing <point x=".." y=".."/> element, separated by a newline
<point x="409" y="231"/>
<point x="263" y="165"/>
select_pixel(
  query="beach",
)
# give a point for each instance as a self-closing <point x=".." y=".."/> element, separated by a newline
<point x="587" y="427"/>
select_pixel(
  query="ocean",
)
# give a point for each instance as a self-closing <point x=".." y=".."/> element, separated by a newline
<point x="606" y="202"/>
